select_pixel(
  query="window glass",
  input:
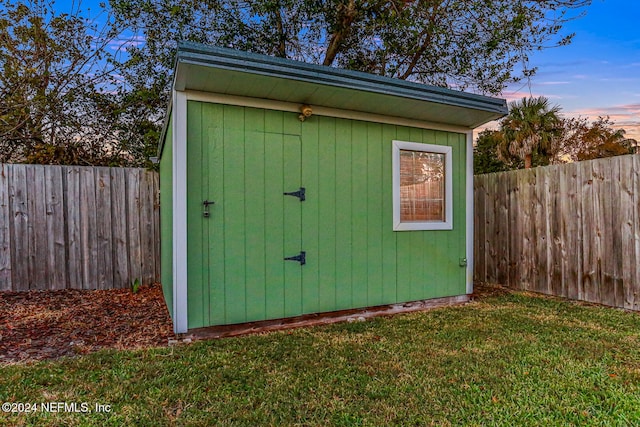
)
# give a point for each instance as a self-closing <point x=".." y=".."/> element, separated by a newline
<point x="421" y="186"/>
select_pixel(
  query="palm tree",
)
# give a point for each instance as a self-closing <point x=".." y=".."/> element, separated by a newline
<point x="531" y="126"/>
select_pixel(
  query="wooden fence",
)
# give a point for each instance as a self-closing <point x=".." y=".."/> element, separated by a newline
<point x="569" y="230"/>
<point x="77" y="227"/>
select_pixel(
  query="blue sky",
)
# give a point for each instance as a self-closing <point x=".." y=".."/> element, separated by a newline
<point x="599" y="72"/>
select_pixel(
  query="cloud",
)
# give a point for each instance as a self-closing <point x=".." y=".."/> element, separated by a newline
<point x="626" y="116"/>
<point x="552" y="83"/>
<point x="124" y="43"/>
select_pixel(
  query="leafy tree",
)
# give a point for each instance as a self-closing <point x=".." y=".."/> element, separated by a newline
<point x="59" y="97"/>
<point x="485" y="154"/>
<point x="479" y="45"/>
<point x="581" y="140"/>
<point x="531" y="127"/>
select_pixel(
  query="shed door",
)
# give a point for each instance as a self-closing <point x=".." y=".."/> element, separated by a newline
<point x="255" y="227"/>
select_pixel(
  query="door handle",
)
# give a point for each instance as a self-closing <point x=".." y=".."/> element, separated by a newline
<point x="301" y="258"/>
<point x="206" y="204"/>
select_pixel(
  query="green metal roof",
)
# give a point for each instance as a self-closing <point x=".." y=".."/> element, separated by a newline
<point x="227" y="71"/>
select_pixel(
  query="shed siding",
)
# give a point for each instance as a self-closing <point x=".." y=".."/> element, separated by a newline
<point x="354" y="258"/>
<point x="166" y="218"/>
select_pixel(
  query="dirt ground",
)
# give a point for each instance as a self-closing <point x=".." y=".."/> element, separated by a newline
<point x="38" y="325"/>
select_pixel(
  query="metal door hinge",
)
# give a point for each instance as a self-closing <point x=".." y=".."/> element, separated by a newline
<point x="301" y="258"/>
<point x="299" y="194"/>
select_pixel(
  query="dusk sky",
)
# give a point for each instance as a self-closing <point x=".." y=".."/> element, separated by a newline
<point x="598" y="74"/>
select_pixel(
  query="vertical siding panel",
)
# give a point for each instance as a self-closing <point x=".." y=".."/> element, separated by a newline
<point x="156" y="228"/>
<point x="458" y="284"/>
<point x="197" y="267"/>
<point x="215" y="282"/>
<point x="389" y="242"/>
<point x="54" y="199"/>
<point x="327" y="214"/>
<point x="120" y="243"/>
<point x="234" y="189"/>
<point x="343" y="214"/>
<point x="310" y="208"/>
<point x="292" y="225"/>
<point x="359" y="214"/>
<point x="104" y="229"/>
<point x="375" y="226"/>
<point x="541" y="233"/>
<point x="146" y="225"/>
<point x="404" y="262"/>
<point x="5" y="229"/>
<point x="274" y="215"/>
<point x="438" y="247"/>
<point x="419" y="253"/>
<point x="255" y="177"/>
<point x="133" y="224"/>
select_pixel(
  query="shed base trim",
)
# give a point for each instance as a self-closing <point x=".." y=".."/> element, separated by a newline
<point x="316" y="319"/>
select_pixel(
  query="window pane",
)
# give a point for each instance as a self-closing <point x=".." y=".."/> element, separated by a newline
<point x="422" y="186"/>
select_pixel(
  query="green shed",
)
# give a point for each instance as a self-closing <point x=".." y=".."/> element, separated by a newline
<point x="290" y="188"/>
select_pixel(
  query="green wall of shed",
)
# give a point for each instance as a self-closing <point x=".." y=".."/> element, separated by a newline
<point x="355" y="258"/>
<point x="166" y="217"/>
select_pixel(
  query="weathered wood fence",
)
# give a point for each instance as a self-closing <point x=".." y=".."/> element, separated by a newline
<point x="569" y="230"/>
<point x="77" y="227"/>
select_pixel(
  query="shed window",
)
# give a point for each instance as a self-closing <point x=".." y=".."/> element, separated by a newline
<point x="422" y="186"/>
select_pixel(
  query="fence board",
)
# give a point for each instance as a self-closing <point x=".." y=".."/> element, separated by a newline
<point x="572" y="230"/>
<point x="5" y="233"/>
<point x="104" y="228"/>
<point x="120" y="254"/>
<point x="20" y="234"/>
<point x="72" y="214"/>
<point x="635" y="283"/>
<point x="56" y="258"/>
<point x="76" y="227"/>
<point x="133" y="221"/>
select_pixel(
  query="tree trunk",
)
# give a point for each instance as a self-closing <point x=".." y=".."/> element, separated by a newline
<point x="527" y="161"/>
<point x="349" y="13"/>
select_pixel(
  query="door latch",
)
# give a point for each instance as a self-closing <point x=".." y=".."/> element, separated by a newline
<point x="300" y="194"/>
<point x="301" y="258"/>
<point x="206" y="204"/>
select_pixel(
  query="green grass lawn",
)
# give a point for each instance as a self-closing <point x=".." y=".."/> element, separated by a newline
<point x="506" y="360"/>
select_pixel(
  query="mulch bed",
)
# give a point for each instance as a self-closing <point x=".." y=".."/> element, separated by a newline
<point x="38" y="325"/>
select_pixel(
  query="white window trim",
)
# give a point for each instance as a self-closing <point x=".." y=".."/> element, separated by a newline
<point x="447" y="224"/>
